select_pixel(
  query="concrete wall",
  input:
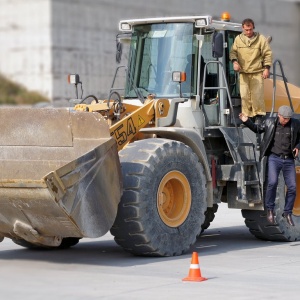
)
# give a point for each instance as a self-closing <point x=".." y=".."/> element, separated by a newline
<point x="25" y="43"/>
<point x="44" y="40"/>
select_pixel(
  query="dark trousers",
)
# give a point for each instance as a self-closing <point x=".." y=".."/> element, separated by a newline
<point x="275" y="165"/>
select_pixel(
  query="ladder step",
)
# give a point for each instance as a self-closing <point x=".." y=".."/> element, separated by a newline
<point x="242" y="200"/>
<point x="251" y="182"/>
<point x="249" y="162"/>
<point x="246" y="144"/>
<point x="250" y="201"/>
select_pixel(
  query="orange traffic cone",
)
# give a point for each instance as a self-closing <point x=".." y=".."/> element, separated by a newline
<point x="194" y="273"/>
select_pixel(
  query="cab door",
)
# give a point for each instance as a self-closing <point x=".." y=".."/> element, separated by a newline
<point x="232" y="76"/>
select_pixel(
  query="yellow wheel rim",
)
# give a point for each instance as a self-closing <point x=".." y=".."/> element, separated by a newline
<point x="174" y="199"/>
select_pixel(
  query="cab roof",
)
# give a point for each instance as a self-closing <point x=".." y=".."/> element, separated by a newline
<point x="217" y="24"/>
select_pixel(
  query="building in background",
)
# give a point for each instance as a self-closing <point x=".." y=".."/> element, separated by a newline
<point x="42" y="41"/>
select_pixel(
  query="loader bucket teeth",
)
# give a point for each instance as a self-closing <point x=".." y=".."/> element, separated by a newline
<point x="60" y="174"/>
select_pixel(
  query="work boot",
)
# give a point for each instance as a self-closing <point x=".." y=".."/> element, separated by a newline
<point x="270" y="216"/>
<point x="288" y="218"/>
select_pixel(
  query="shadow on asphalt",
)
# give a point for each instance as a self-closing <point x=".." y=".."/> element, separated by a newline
<point x="106" y="252"/>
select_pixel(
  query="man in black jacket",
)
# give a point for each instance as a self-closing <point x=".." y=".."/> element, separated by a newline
<point x="281" y="143"/>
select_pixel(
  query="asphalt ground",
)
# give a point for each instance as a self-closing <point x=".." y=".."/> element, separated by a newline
<point x="236" y="265"/>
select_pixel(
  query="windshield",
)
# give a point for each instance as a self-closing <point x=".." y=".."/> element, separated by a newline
<point x="157" y="50"/>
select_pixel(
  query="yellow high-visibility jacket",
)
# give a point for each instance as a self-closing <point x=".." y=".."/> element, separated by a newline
<point x="253" y="55"/>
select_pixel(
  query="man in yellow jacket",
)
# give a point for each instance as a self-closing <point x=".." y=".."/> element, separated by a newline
<point x="251" y="56"/>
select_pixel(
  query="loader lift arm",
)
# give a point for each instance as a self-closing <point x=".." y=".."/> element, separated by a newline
<point x="132" y="117"/>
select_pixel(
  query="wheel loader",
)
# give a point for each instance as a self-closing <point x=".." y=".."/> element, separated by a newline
<point x="152" y="162"/>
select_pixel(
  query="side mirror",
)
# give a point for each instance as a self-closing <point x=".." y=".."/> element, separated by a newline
<point x="217" y="45"/>
<point x="121" y="39"/>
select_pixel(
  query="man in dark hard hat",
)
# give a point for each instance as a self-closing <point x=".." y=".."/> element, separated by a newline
<point x="281" y="144"/>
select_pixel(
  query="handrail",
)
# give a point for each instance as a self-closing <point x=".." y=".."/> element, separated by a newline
<point x="218" y="88"/>
<point x="277" y="61"/>
<point x="114" y="79"/>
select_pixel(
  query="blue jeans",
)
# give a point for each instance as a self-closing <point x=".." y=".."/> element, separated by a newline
<point x="275" y="165"/>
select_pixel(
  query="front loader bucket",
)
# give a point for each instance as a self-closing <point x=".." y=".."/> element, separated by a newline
<point x="59" y="175"/>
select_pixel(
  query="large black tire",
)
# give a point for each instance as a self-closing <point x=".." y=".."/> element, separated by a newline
<point x="66" y="243"/>
<point x="209" y="216"/>
<point x="25" y="244"/>
<point x="258" y="225"/>
<point x="164" y="198"/>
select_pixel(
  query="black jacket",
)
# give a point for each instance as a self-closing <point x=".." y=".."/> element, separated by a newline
<point x="268" y="127"/>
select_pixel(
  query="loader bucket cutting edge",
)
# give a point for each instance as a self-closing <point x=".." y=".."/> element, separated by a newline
<point x="60" y="174"/>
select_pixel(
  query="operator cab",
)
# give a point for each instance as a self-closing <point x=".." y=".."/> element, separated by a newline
<point x="197" y="46"/>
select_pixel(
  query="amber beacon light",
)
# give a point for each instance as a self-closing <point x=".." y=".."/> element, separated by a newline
<point x="225" y="16"/>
